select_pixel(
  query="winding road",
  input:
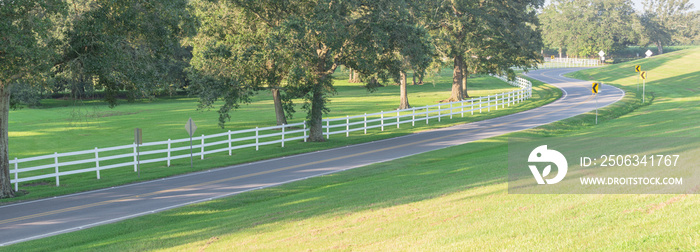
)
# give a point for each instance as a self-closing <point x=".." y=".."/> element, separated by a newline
<point x="47" y="217"/>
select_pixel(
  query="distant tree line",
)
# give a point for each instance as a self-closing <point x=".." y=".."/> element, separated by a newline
<point x="582" y="28"/>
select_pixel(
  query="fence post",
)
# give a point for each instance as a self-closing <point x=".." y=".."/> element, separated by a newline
<point x="479" y="104"/>
<point x="472" y="108"/>
<point x="229" y="143"/>
<point x="16" y="177"/>
<point x="398" y="122"/>
<point x="365" y="123"/>
<point x="413" y="117"/>
<point x="522" y="96"/>
<point x="135" y="159"/>
<point x="55" y="160"/>
<point x="427" y="114"/>
<point x="462" y="108"/>
<point x="496" y="99"/>
<point x="488" y="104"/>
<point x="168" y="152"/>
<point x="382" y="119"/>
<point x="451" y="110"/>
<point x="304" y="131"/>
<point x="97" y="163"/>
<point x="347" y="125"/>
<point x="503" y="97"/>
<point x="257" y="140"/>
<point x="510" y="96"/>
<point x="202" y="149"/>
<point x="328" y="128"/>
<point x="439" y="112"/>
<point x="283" y="126"/>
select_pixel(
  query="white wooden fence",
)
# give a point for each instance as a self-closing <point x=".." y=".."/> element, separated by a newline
<point x="568" y="62"/>
<point x="101" y="159"/>
<point x="565" y="63"/>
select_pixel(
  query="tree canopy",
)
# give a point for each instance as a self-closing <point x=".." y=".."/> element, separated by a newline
<point x="665" y="22"/>
<point x="584" y="27"/>
<point x="25" y="56"/>
<point x="484" y="36"/>
<point x="123" y="45"/>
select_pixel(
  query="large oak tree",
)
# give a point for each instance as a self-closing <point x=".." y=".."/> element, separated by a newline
<point x="238" y="52"/>
<point x="119" y="45"/>
<point x="25" y="53"/>
<point x="484" y="36"/>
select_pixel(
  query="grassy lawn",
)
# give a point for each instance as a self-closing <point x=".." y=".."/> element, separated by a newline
<point x="451" y="199"/>
<point x="63" y="126"/>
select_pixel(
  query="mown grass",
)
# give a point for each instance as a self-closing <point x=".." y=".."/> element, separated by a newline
<point x="62" y="127"/>
<point x="453" y="199"/>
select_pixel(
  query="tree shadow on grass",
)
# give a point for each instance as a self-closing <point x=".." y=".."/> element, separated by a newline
<point x="376" y="186"/>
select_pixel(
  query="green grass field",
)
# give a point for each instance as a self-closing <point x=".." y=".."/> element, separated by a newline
<point x="62" y="127"/>
<point x="453" y="199"/>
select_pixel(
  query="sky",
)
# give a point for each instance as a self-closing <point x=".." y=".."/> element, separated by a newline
<point x="638" y="4"/>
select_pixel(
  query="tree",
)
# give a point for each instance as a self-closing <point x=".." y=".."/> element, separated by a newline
<point x="25" y="53"/>
<point x="491" y="36"/>
<point x="26" y="50"/>
<point x="554" y="28"/>
<point x="584" y="27"/>
<point x="323" y="34"/>
<point x="667" y="21"/>
<point x="237" y="54"/>
<point x="123" y="45"/>
<point x="117" y="45"/>
<point x="415" y="52"/>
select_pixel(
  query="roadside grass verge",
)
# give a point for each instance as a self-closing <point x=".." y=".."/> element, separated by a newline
<point x="43" y="131"/>
<point x="453" y="199"/>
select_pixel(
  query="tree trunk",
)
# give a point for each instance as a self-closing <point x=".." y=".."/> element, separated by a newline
<point x="404" y="93"/>
<point x="354" y="77"/>
<point x="316" y="117"/>
<point x="414" y="77"/>
<point x="560" y="52"/>
<point x="660" y="48"/>
<point x="6" y="190"/>
<point x="457" y="80"/>
<point x="464" y="84"/>
<point x="279" y="111"/>
<point x="465" y="75"/>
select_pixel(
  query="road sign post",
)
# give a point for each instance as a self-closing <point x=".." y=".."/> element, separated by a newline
<point x="191" y="127"/>
<point x="637" y="69"/>
<point x="138" y="140"/>
<point x="595" y="88"/>
<point x="643" y="74"/>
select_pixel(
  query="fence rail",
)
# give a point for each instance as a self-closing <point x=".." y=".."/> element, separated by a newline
<point x="100" y="159"/>
<point x="565" y="63"/>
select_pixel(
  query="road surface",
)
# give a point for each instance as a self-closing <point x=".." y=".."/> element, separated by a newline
<point x="42" y="218"/>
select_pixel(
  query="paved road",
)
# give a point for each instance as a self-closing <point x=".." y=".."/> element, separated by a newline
<point x="42" y="218"/>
